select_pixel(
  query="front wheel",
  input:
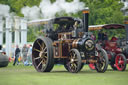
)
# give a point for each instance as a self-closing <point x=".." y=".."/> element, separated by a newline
<point x="120" y="62"/>
<point x="102" y="61"/>
<point x="73" y="62"/>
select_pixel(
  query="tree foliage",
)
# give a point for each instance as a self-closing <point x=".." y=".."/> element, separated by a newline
<point x="101" y="11"/>
<point x="105" y="11"/>
<point x="16" y="5"/>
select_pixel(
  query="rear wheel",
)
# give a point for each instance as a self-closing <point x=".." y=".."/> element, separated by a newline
<point x="73" y="62"/>
<point x="42" y="55"/>
<point x="102" y="61"/>
<point x="120" y="62"/>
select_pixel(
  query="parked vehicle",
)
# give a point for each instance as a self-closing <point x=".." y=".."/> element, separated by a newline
<point x="116" y="48"/>
<point x="68" y="42"/>
<point x="4" y="60"/>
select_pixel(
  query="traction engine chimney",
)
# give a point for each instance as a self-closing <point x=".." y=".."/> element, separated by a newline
<point x="85" y="19"/>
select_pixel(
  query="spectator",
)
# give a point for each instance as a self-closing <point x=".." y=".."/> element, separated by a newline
<point x="100" y="35"/>
<point x="17" y="54"/>
<point x="0" y="48"/>
<point x="3" y="50"/>
<point x="105" y="36"/>
<point x="24" y="53"/>
<point x="13" y="51"/>
<point x="114" y="39"/>
<point x="29" y="57"/>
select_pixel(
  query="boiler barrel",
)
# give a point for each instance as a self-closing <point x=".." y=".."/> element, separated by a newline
<point x="4" y="60"/>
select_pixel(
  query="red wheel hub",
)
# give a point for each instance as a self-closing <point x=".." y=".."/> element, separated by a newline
<point x="119" y="62"/>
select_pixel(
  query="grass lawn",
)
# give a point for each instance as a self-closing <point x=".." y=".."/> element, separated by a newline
<point x="27" y="75"/>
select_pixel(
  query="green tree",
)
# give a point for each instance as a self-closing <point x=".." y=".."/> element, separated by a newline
<point x="104" y="11"/>
<point x="101" y="11"/>
<point x="16" y="5"/>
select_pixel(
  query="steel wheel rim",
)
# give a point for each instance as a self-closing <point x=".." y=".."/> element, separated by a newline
<point x="120" y="64"/>
<point x="72" y="62"/>
<point x="41" y="57"/>
<point x="101" y="61"/>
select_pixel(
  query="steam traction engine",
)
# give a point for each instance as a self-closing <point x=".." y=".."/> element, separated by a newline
<point x="116" y="47"/>
<point x="69" y="44"/>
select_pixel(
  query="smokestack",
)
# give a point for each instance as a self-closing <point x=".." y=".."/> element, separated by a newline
<point x="85" y="19"/>
<point x="126" y="27"/>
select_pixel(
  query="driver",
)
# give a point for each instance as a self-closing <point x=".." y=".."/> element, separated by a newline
<point x="105" y="36"/>
<point x="114" y="38"/>
<point x="100" y="35"/>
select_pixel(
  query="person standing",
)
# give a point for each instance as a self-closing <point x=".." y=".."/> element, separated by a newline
<point x="105" y="36"/>
<point x="24" y="53"/>
<point x="1" y="48"/>
<point x="17" y="54"/>
<point x="29" y="57"/>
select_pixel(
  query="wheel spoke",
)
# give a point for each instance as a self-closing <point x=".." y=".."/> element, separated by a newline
<point x="43" y="45"/>
<point x="45" y="57"/>
<point x="36" y="58"/>
<point x="103" y="65"/>
<point x="75" y="66"/>
<point x="120" y="57"/>
<point x="39" y="64"/>
<point x="121" y="62"/>
<point x="74" y="55"/>
<point x="44" y="50"/>
<point x="122" y="65"/>
<point x="39" y="44"/>
<point x="37" y="50"/>
<point x="71" y="56"/>
<point x="72" y="67"/>
<point x="75" y="60"/>
<point x="103" y="60"/>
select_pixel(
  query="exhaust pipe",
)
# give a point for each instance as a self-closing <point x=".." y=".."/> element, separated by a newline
<point x="85" y="19"/>
<point x="126" y="27"/>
